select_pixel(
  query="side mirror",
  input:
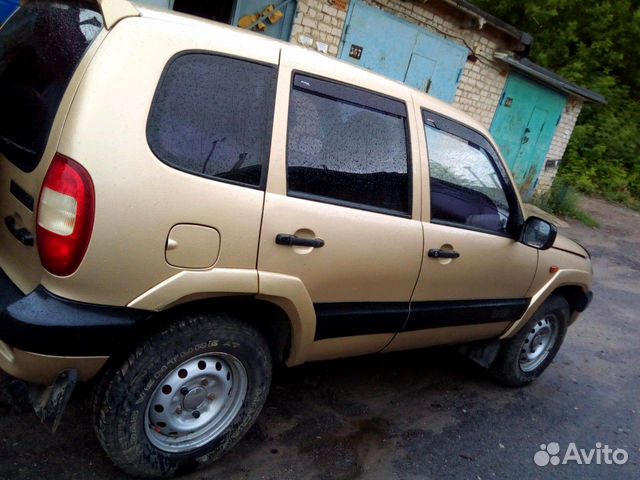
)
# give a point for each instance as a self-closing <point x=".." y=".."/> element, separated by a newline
<point x="538" y="233"/>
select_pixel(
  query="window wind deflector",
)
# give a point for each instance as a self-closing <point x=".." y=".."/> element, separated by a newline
<point x="350" y="94"/>
<point x="430" y="122"/>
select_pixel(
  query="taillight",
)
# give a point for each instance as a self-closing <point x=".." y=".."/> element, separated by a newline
<point x="65" y="216"/>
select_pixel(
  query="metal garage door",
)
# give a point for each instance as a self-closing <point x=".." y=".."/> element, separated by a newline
<point x="524" y="125"/>
<point x="400" y="50"/>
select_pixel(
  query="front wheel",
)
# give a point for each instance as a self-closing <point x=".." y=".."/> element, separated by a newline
<point x="523" y="357"/>
<point x="184" y="397"/>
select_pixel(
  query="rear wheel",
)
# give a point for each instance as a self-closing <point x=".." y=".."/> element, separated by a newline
<point x="523" y="357"/>
<point x="184" y="397"/>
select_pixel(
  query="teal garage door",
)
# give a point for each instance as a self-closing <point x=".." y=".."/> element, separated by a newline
<point x="524" y="125"/>
<point x="400" y="50"/>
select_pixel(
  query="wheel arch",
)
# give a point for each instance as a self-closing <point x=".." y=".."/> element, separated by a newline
<point x="281" y="296"/>
<point x="267" y="317"/>
<point x="575" y="296"/>
<point x="573" y="285"/>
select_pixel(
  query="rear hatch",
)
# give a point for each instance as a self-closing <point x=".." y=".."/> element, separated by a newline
<point x="43" y="52"/>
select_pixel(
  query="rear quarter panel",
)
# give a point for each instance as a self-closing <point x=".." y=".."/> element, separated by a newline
<point x="139" y="198"/>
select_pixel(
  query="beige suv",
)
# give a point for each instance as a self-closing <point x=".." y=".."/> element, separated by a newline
<point x="185" y="205"/>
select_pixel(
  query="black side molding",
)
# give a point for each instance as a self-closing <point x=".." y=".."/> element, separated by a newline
<point x="464" y="312"/>
<point x="334" y="320"/>
<point x="46" y="324"/>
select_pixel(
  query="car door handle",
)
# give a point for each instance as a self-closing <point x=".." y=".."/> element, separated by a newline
<point x="292" y="240"/>
<point x="437" y="253"/>
<point x="23" y="235"/>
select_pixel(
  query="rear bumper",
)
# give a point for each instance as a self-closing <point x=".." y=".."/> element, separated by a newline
<point x="44" y="369"/>
<point x="42" y="335"/>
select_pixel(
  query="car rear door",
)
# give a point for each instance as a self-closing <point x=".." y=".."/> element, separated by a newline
<point x="339" y="212"/>
<point x="475" y="273"/>
<point x="42" y="47"/>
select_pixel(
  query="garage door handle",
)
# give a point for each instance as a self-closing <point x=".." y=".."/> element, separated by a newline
<point x="436" y="253"/>
<point x="292" y="240"/>
<point x="23" y="235"/>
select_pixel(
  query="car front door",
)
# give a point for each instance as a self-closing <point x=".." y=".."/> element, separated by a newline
<point x="475" y="273"/>
<point x="339" y="213"/>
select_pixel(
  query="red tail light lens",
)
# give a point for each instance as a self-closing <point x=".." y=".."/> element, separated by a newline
<point x="65" y="216"/>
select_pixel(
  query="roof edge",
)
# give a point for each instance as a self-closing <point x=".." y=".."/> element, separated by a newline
<point x="523" y="37"/>
<point x="548" y="77"/>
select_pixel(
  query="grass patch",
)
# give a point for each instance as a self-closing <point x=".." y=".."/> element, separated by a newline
<point x="623" y="198"/>
<point x="585" y="218"/>
<point x="562" y="200"/>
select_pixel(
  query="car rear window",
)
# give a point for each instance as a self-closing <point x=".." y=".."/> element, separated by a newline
<point x="40" y="48"/>
<point x="212" y="116"/>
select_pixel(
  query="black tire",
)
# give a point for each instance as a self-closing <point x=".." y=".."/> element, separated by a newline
<point x="507" y="368"/>
<point x="121" y="397"/>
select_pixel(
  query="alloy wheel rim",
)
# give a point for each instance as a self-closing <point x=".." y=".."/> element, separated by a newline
<point x="538" y="343"/>
<point x="195" y="402"/>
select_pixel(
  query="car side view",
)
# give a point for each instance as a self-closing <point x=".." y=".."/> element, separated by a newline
<point x="185" y="205"/>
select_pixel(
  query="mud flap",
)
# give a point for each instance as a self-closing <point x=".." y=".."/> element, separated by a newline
<point x="483" y="353"/>
<point x="49" y="404"/>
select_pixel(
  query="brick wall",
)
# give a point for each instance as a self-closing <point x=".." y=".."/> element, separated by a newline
<point x="318" y="25"/>
<point x="559" y="144"/>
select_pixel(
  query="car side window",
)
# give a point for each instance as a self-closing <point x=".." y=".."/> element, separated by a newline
<point x="466" y="187"/>
<point x="348" y="147"/>
<point x="212" y="116"/>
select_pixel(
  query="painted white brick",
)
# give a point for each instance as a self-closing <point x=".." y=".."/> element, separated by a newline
<point x="323" y="27"/>
<point x="308" y="22"/>
<point x="329" y="10"/>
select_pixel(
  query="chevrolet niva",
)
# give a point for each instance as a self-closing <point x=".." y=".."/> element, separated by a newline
<point x="185" y="204"/>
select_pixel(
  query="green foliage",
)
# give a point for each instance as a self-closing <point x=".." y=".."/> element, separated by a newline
<point x="593" y="43"/>
<point x="562" y="200"/>
<point x="604" y="154"/>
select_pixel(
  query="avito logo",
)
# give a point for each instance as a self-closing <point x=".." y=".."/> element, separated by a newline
<point x="549" y="454"/>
